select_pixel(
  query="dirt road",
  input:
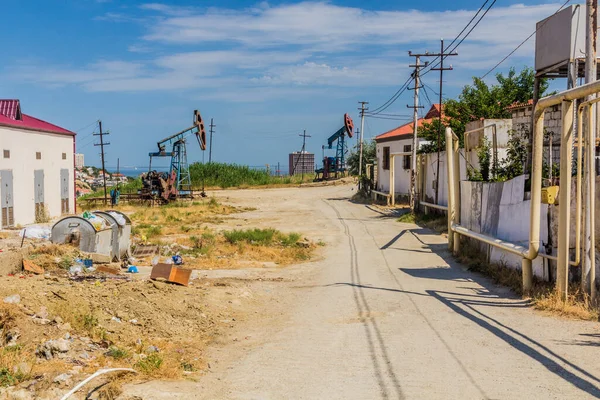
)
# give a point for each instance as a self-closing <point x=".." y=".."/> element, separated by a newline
<point x="386" y="313"/>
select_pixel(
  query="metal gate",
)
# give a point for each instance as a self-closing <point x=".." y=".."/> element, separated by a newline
<point x="7" y="217"/>
<point x="38" y="182"/>
<point x="64" y="191"/>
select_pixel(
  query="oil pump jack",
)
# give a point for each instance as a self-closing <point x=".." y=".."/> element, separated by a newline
<point x="335" y="167"/>
<point x="177" y="183"/>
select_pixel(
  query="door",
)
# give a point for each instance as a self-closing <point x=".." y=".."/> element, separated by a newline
<point x="38" y="182"/>
<point x="7" y="216"/>
<point x="64" y="191"/>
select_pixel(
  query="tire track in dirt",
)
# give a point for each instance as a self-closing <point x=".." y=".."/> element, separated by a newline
<point x="416" y="307"/>
<point x="368" y="321"/>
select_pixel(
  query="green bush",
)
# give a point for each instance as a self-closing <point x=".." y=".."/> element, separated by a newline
<point x="150" y="363"/>
<point x="252" y="236"/>
<point x="290" y="239"/>
<point x="153" y="231"/>
<point x="233" y="175"/>
<point x="117" y="353"/>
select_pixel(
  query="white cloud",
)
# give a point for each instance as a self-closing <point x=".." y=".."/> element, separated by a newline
<point x="290" y="47"/>
<point x="327" y="26"/>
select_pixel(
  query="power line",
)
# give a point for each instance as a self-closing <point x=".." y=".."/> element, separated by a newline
<point x="87" y="126"/>
<point x="391" y="115"/>
<point x="430" y="89"/>
<point x="464" y="29"/>
<point x="524" y="41"/>
<point x="450" y="50"/>
<point x="391" y="101"/>
<point x="426" y="95"/>
<point x="388" y="118"/>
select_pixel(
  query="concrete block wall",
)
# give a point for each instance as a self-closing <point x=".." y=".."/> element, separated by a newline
<point x="497" y="209"/>
<point x="521" y="122"/>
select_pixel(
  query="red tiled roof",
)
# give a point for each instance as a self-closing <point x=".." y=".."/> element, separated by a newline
<point x="406" y="130"/>
<point x="516" y="105"/>
<point x="10" y="115"/>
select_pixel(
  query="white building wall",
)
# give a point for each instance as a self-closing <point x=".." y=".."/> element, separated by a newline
<point x="401" y="175"/>
<point x="23" y="145"/>
<point x="79" y="160"/>
<point x="429" y="171"/>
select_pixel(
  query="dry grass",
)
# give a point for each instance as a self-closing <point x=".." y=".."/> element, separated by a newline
<point x="577" y="305"/>
<point x="53" y="256"/>
<point x="544" y="296"/>
<point x="207" y="250"/>
<point x="186" y="228"/>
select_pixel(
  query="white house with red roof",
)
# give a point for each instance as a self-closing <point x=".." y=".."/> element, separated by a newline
<point x="399" y="140"/>
<point x="37" y="174"/>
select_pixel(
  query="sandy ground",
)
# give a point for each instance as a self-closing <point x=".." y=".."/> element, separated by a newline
<point x="384" y="313"/>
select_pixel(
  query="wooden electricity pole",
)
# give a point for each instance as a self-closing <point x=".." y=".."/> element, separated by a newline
<point x="102" y="144"/>
<point x="441" y="68"/>
<point x="413" y="162"/>
<point x="210" y="144"/>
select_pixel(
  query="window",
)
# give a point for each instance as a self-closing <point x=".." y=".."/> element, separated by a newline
<point x="386" y="157"/>
<point x="38" y="155"/>
<point x="407" y="160"/>
<point x="64" y="156"/>
<point x="6" y="153"/>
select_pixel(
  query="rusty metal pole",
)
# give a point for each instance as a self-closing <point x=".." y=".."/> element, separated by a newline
<point x="564" y="213"/>
<point x="589" y="256"/>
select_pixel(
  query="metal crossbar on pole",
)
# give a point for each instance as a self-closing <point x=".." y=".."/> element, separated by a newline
<point x="441" y="68"/>
<point x="360" y="137"/>
<point x="102" y="144"/>
<point x="210" y="144"/>
<point x="413" y="162"/>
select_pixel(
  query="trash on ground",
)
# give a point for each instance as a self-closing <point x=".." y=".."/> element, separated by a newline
<point x="13" y="299"/>
<point x="145" y="250"/>
<point x="35" y="232"/>
<point x="171" y="274"/>
<point x="132" y="269"/>
<point x="177" y="260"/>
<point x="108" y="270"/>
<point x="30" y="266"/>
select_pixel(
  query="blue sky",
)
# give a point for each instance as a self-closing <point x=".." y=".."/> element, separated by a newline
<point x="263" y="70"/>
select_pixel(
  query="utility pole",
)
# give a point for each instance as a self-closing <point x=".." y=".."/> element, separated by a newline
<point x="362" y="128"/>
<point x="588" y="269"/>
<point x="102" y="144"/>
<point x="413" y="167"/>
<point x="304" y="136"/>
<point x="301" y="155"/>
<point x="442" y="55"/>
<point x="210" y="144"/>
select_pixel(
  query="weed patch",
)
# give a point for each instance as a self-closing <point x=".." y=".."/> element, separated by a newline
<point x="252" y="236"/>
<point x="117" y="353"/>
<point x="150" y="364"/>
<point x="544" y="296"/>
<point x="436" y="222"/>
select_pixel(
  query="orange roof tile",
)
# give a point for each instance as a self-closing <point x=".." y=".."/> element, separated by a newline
<point x="406" y="130"/>
<point x="516" y="105"/>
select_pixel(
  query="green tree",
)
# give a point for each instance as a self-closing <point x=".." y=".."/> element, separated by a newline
<point x="480" y="100"/>
<point x="369" y="156"/>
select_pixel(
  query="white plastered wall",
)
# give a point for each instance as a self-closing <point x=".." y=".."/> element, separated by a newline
<point x="23" y="145"/>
